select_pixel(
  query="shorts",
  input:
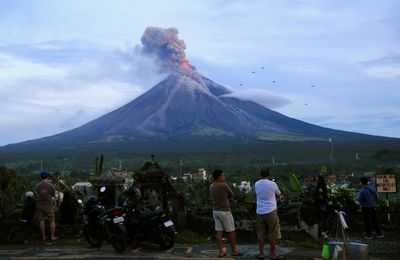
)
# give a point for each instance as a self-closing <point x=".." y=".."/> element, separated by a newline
<point x="223" y="221"/>
<point x="44" y="213"/>
<point x="268" y="226"/>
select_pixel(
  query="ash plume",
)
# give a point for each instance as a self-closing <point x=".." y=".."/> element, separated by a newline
<point x="165" y="45"/>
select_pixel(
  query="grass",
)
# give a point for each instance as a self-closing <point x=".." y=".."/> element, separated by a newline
<point x="292" y="138"/>
<point x="188" y="236"/>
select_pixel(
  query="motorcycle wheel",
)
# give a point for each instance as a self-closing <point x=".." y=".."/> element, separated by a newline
<point x="167" y="240"/>
<point x="118" y="239"/>
<point x="92" y="236"/>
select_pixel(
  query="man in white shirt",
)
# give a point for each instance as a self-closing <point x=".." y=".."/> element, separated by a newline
<point x="267" y="215"/>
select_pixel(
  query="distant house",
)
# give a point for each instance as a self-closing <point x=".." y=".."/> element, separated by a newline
<point x="83" y="187"/>
<point x="187" y="177"/>
<point x="244" y="186"/>
<point x="199" y="176"/>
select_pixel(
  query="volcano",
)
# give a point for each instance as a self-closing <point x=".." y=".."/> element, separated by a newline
<point x="187" y="105"/>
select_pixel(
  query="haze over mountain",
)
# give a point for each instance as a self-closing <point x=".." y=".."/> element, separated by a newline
<point x="187" y="105"/>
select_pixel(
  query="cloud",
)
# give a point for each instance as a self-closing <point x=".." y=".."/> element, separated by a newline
<point x="65" y="91"/>
<point x="385" y="67"/>
<point x="303" y="68"/>
<point x="261" y="97"/>
<point x="356" y="123"/>
<point x="13" y="68"/>
<point x="299" y="42"/>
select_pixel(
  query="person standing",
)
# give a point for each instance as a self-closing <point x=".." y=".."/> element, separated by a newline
<point x="321" y="201"/>
<point x="28" y="209"/>
<point x="220" y="194"/>
<point x="68" y="209"/>
<point x="44" y="206"/>
<point x="367" y="197"/>
<point x="267" y="214"/>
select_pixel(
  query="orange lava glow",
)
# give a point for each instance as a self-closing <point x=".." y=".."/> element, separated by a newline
<point x="185" y="64"/>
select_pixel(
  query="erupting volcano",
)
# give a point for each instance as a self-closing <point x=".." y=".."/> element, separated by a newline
<point x="187" y="105"/>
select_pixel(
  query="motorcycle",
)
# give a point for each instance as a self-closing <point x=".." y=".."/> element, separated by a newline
<point x="154" y="226"/>
<point x="101" y="224"/>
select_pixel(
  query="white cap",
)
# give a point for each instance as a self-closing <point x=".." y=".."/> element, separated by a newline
<point x="29" y="194"/>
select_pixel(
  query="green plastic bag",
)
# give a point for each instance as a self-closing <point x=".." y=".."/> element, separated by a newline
<point x="325" y="252"/>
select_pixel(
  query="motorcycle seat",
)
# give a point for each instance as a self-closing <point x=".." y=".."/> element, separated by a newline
<point x="151" y="214"/>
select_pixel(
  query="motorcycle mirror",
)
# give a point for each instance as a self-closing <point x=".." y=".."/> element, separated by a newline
<point x="80" y="201"/>
<point x="103" y="189"/>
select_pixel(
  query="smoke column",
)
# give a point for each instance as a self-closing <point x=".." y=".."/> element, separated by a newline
<point x="166" y="46"/>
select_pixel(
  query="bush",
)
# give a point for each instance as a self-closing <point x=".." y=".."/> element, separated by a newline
<point x="341" y="198"/>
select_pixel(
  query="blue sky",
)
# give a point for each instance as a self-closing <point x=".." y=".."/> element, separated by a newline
<point x="64" y="63"/>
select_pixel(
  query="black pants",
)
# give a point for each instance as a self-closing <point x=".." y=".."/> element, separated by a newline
<point x="323" y="220"/>
<point x="370" y="221"/>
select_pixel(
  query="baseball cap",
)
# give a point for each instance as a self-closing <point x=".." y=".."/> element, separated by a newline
<point x="29" y="194"/>
<point x="44" y="174"/>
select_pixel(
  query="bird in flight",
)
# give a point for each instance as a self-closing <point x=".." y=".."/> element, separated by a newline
<point x="273" y="81"/>
<point x="262" y="67"/>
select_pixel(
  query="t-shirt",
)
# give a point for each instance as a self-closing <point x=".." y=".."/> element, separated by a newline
<point x="45" y="191"/>
<point x="266" y="192"/>
<point x="220" y="194"/>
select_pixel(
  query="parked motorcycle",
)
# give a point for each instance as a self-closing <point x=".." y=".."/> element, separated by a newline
<point x="101" y="224"/>
<point x="154" y="226"/>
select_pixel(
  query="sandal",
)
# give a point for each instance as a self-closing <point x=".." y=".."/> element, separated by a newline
<point x="260" y="257"/>
<point x="278" y="257"/>
<point x="222" y="255"/>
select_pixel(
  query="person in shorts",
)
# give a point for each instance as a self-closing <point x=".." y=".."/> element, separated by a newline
<point x="220" y="194"/>
<point x="44" y="206"/>
<point x="268" y="226"/>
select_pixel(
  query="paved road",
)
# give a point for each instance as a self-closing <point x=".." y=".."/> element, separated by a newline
<point x="179" y="252"/>
<point x="149" y="251"/>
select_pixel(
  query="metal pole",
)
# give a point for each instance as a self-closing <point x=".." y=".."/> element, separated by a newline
<point x="181" y="170"/>
<point x="331" y="144"/>
<point x="387" y="208"/>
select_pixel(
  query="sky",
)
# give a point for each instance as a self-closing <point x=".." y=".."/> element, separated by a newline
<point x="334" y="63"/>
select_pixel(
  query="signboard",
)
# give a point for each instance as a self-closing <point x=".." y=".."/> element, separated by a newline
<point x="386" y="183"/>
<point x="331" y="179"/>
<point x="308" y="181"/>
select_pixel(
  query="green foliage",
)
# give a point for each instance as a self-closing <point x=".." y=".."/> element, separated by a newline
<point x="323" y="170"/>
<point x="99" y="161"/>
<point x="294" y="183"/>
<point x="12" y="190"/>
<point x="388" y="155"/>
<point x="247" y="156"/>
<point x="341" y="197"/>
